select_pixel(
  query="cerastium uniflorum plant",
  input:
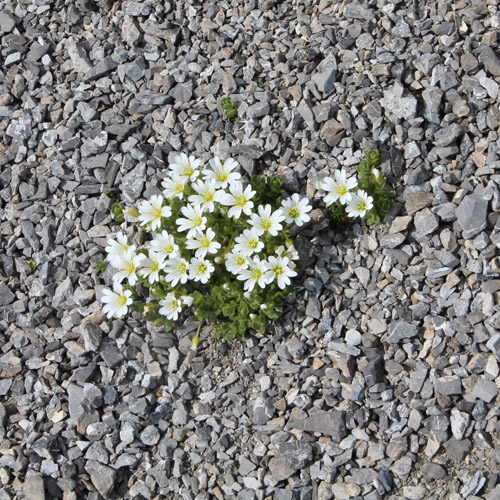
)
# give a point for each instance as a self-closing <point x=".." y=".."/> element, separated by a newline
<point x="216" y="248"/>
<point x="366" y="197"/>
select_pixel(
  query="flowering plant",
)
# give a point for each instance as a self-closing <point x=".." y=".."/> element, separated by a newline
<point x="216" y="246"/>
<point x="366" y="197"/>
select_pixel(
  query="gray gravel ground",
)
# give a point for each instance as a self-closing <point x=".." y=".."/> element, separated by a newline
<point x="381" y="380"/>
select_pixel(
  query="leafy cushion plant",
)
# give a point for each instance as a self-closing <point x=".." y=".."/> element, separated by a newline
<point x="214" y="246"/>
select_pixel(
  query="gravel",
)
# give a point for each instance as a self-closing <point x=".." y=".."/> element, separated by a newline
<point x="381" y="379"/>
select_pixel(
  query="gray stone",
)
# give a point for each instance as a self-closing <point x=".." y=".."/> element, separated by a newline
<point x="425" y="222"/>
<point x="6" y="295"/>
<point x="404" y="108"/>
<point x="490" y="60"/>
<point x="182" y="92"/>
<point x="313" y="308"/>
<point x="133" y="183"/>
<point x="102" y="68"/>
<point x="399" y="330"/>
<point x="150" y="435"/>
<point x="459" y="422"/>
<point x="426" y="62"/>
<point x="330" y="423"/>
<point x="79" y="58"/>
<point x="289" y="458"/>
<point x="33" y="487"/>
<point x="457" y="449"/>
<point x="102" y="477"/>
<point x="151" y="98"/>
<point x="326" y="76"/>
<point x="433" y="470"/>
<point x="392" y="240"/>
<point x="448" y="385"/>
<point x="134" y="70"/>
<point x="263" y="410"/>
<point x="130" y="32"/>
<point x="358" y="11"/>
<point x="7" y="22"/>
<point x="471" y="215"/>
<point x="110" y="353"/>
<point x="432" y="99"/>
<point x="448" y="135"/>
<point x="486" y="390"/>
<point x="258" y="110"/>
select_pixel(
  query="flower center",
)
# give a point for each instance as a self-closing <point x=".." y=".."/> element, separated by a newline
<point x="188" y="171"/>
<point x="157" y="213"/>
<point x="240" y="261"/>
<point x="130" y="268"/>
<point x="278" y="270"/>
<point x="342" y="190"/>
<point x="179" y="188"/>
<point x="221" y="176"/>
<point x="174" y="304"/>
<point x="205" y="243"/>
<point x="168" y="248"/>
<point x="155" y="267"/>
<point x="256" y="274"/>
<point x="294" y="212"/>
<point x="209" y="197"/>
<point x="181" y="268"/>
<point x="197" y="221"/>
<point x="121" y="300"/>
<point x="241" y="200"/>
<point x="202" y="268"/>
<point x="361" y="206"/>
<point x="266" y="224"/>
<point x="253" y="244"/>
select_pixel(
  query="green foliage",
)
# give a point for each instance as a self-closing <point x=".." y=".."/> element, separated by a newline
<point x="268" y="190"/>
<point x="230" y="109"/>
<point x="109" y="193"/>
<point x="32" y="265"/>
<point x="117" y="212"/>
<point x="339" y="220"/>
<point x="372" y="180"/>
<point x="101" y="266"/>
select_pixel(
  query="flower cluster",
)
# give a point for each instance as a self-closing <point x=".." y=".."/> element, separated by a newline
<point x="211" y="248"/>
<point x="365" y="197"/>
<point x="341" y="190"/>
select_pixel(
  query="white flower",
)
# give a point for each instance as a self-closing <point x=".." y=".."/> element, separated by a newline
<point x="174" y="187"/>
<point x="176" y="270"/>
<point x="151" y="266"/>
<point x="186" y="300"/>
<point x="118" y="248"/>
<point x="203" y="243"/>
<point x="222" y="172"/>
<point x="152" y="211"/>
<point x="338" y="189"/>
<point x="207" y="194"/>
<point x="248" y="242"/>
<point x="164" y="244"/>
<point x="255" y="274"/>
<point x="236" y="262"/>
<point x="130" y="214"/>
<point x="170" y="307"/>
<point x="296" y="209"/>
<point x="360" y="203"/>
<point x="267" y="221"/>
<point x="116" y="301"/>
<point x="185" y="168"/>
<point x="238" y="200"/>
<point x="194" y="221"/>
<point x="200" y="270"/>
<point x="127" y="266"/>
<point x="278" y="269"/>
<point x="290" y="252"/>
